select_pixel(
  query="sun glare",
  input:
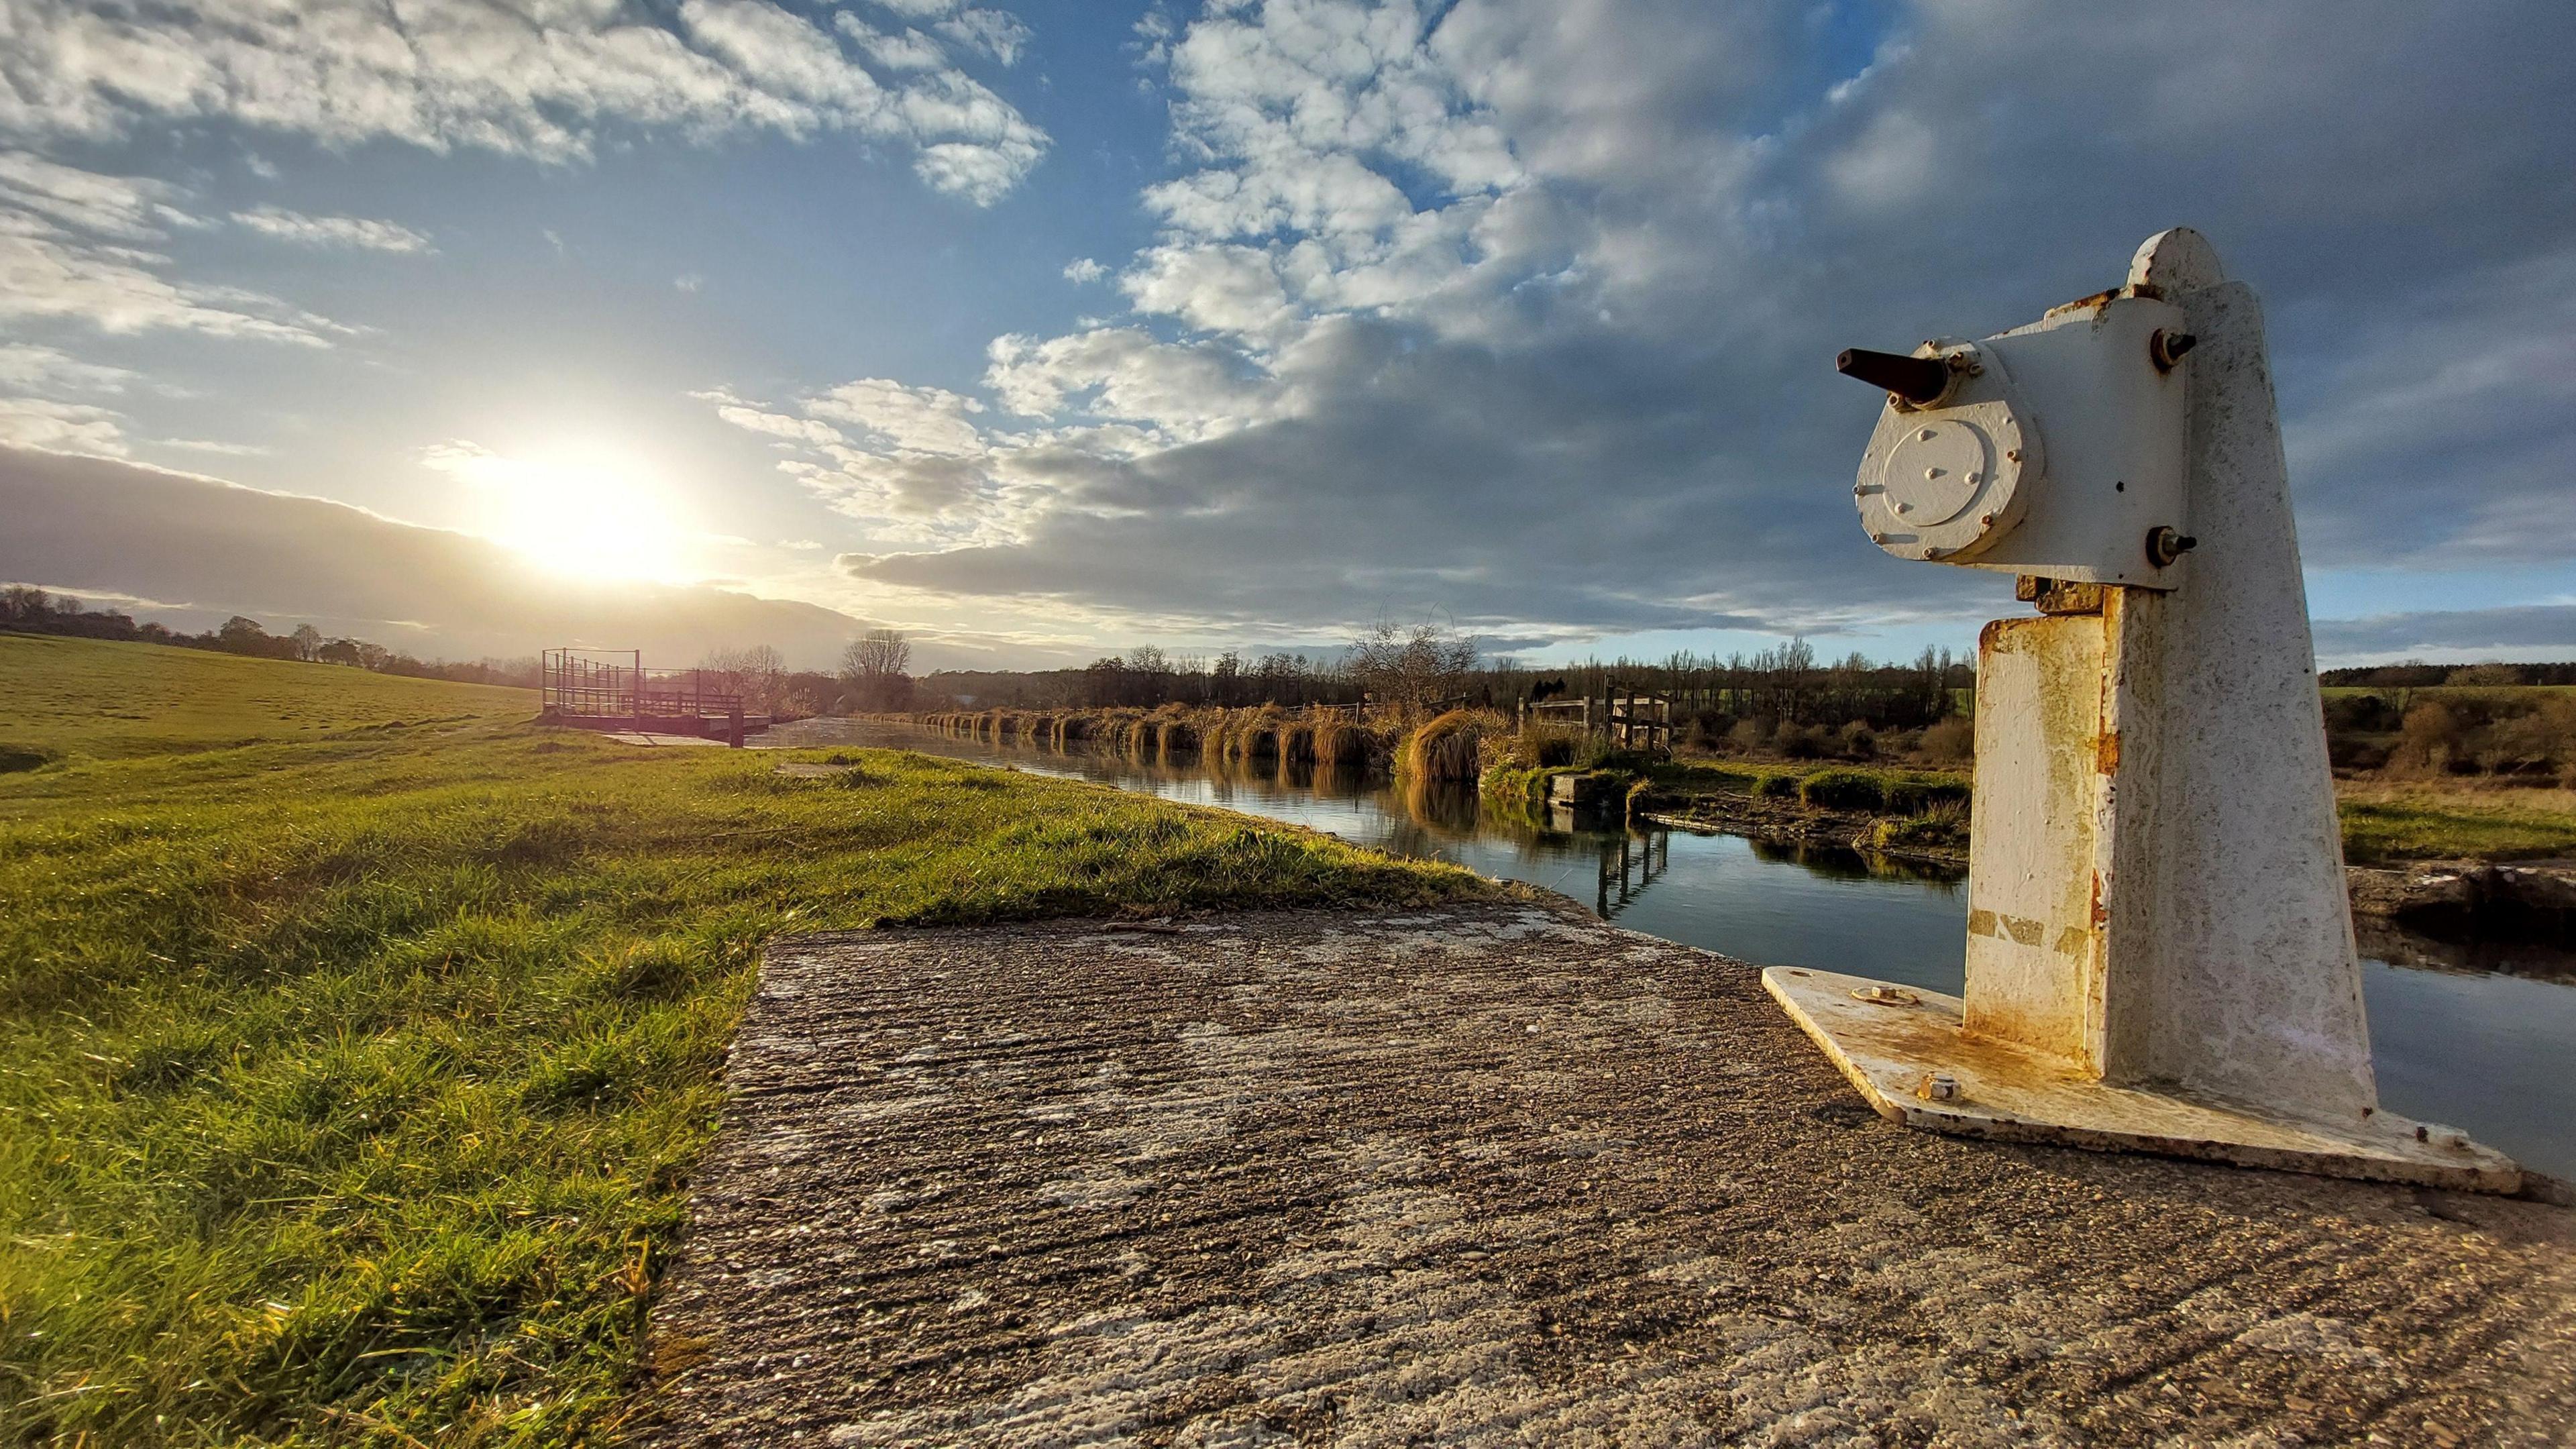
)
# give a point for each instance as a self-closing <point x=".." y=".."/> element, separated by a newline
<point x="588" y="515"/>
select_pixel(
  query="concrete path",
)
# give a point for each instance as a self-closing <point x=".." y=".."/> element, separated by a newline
<point x="1505" y="1175"/>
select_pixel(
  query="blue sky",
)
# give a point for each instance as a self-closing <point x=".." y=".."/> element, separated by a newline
<point x="1042" y="329"/>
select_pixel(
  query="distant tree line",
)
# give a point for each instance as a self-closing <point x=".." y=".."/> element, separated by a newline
<point x="2415" y="675"/>
<point x="871" y="677"/>
<point x="33" y="611"/>
<point x="1426" y="664"/>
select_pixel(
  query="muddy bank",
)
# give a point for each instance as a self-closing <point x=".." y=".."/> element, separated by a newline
<point x="2529" y="899"/>
<point x="1504" y="1174"/>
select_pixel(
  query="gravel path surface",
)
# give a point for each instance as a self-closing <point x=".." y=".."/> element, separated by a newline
<point x="1505" y="1175"/>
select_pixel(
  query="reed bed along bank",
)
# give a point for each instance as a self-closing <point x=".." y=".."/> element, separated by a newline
<point x="1458" y="746"/>
<point x="1317" y="735"/>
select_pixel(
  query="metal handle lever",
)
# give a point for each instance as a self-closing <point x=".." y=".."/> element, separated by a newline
<point x="1918" y="380"/>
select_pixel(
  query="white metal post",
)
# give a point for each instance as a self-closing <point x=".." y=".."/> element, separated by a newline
<point x="2159" y="950"/>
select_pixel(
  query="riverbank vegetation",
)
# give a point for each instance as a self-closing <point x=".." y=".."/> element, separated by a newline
<point x="359" y="1037"/>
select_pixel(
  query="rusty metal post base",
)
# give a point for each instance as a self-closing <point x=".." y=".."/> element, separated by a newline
<point x="1904" y="1049"/>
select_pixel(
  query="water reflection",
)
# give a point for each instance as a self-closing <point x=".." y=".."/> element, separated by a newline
<point x="2455" y="1043"/>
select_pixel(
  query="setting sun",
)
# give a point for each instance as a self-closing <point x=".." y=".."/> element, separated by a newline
<point x="584" y="513"/>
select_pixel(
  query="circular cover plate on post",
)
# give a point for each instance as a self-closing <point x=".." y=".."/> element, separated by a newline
<point x="1942" y="484"/>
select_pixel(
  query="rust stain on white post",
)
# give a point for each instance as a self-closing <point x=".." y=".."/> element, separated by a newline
<point x="2160" y="952"/>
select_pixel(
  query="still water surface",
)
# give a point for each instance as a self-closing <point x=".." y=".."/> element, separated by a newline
<point x="2482" y="1038"/>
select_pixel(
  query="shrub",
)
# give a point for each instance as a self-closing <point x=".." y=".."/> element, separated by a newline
<point x="1951" y="741"/>
<point x="1777" y="787"/>
<point x="1859" y="741"/>
<point x="1908" y="797"/>
<point x="1747" y="736"/>
<point x="1799" y="742"/>
<point x="2367" y="714"/>
<point x="1843" y="790"/>
<point x="2429" y="741"/>
<point x="2539" y="743"/>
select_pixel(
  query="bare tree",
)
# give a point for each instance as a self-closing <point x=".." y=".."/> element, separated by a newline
<point x="308" y="642"/>
<point x="756" y="672"/>
<point x="1411" y="668"/>
<point x="876" y="654"/>
<point x="873" y="666"/>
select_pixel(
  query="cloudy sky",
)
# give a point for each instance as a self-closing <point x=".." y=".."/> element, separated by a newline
<point x="1040" y="328"/>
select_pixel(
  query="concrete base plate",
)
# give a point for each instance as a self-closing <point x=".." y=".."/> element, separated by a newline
<point x="1890" y="1041"/>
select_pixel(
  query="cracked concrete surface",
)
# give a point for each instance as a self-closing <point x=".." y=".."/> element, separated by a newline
<point x="1504" y="1174"/>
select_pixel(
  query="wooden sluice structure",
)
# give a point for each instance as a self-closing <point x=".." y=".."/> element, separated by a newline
<point x="1627" y="717"/>
<point x="612" y="690"/>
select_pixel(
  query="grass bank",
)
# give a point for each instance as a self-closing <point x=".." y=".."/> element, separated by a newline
<point x="352" y="1079"/>
<point x="75" y="699"/>
<point x="2395" y="822"/>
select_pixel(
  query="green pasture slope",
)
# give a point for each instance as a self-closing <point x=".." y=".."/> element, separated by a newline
<point x="84" y="698"/>
<point x="357" y="1037"/>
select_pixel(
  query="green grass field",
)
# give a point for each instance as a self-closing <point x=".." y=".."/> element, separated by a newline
<point x="2423" y="822"/>
<point x="80" y="698"/>
<point x="352" y="1078"/>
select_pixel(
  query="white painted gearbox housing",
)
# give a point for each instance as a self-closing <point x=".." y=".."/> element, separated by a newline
<point x="2057" y="451"/>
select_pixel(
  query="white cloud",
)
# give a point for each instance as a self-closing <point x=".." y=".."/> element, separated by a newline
<point x="354" y="232"/>
<point x="1213" y="288"/>
<point x="110" y="289"/>
<point x="918" y="471"/>
<point x="927" y="420"/>
<point x="45" y="369"/>
<point x="1084" y="270"/>
<point x="910" y="50"/>
<point x="549" y="81"/>
<point x="1188" y="390"/>
<point x="996" y="33"/>
<point x="66" y="252"/>
<point x="983" y="174"/>
<point x="778" y="425"/>
<point x="59" y="427"/>
<point x="1890" y="164"/>
<point x="129" y="208"/>
<point x="931" y="495"/>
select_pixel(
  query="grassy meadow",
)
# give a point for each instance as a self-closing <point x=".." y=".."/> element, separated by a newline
<point x="2430" y="821"/>
<point x="357" y="1038"/>
<point x="84" y="699"/>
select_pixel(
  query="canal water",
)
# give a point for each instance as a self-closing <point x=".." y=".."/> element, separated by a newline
<point x="2479" y="1036"/>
